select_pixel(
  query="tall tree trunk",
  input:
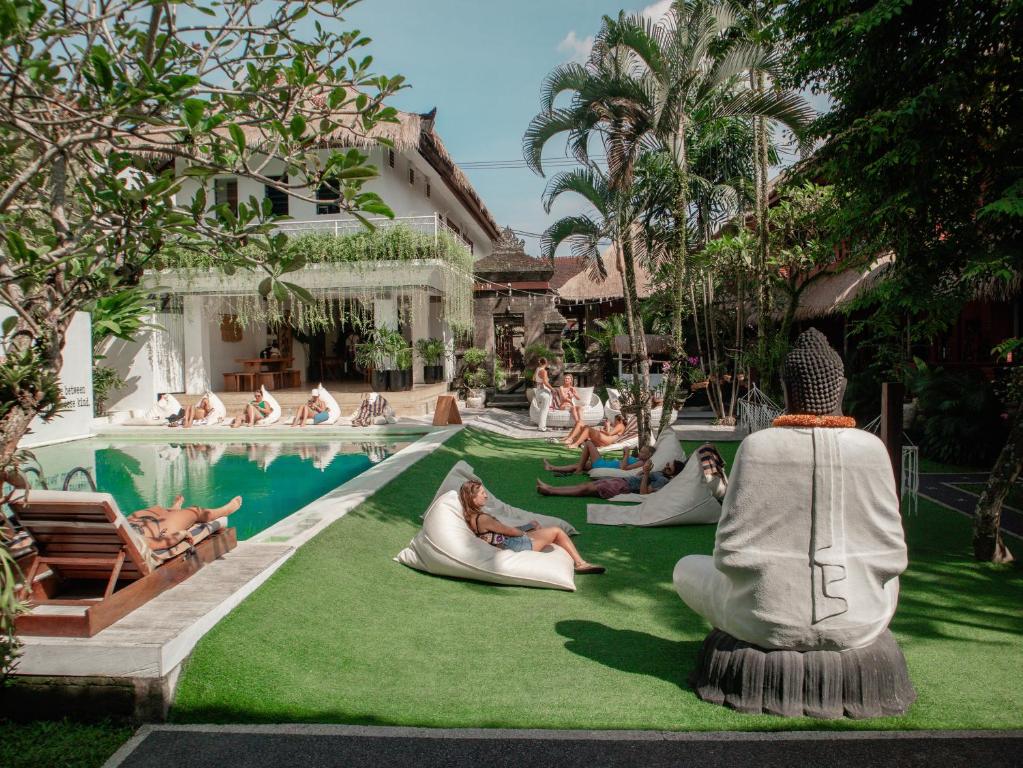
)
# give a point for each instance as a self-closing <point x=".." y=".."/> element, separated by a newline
<point x="639" y="351"/>
<point x="761" y="169"/>
<point x="678" y="339"/>
<point x="987" y="536"/>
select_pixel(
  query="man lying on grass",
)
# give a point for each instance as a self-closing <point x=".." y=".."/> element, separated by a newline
<point x="645" y="482"/>
<point x="590" y="458"/>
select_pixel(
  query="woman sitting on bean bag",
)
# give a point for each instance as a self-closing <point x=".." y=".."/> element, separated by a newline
<point x="531" y="536"/>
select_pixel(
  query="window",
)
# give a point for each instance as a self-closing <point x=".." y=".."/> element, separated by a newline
<point x="328" y="191"/>
<point x="412" y="176"/>
<point x="390" y="157"/>
<point x="453" y="228"/>
<point x="468" y="242"/>
<point x="277" y="198"/>
<point x="225" y="192"/>
<point x="428" y="188"/>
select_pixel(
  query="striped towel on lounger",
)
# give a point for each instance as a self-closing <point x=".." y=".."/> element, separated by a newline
<point x="368" y="412"/>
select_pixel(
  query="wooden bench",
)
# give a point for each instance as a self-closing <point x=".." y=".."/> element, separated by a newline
<point x="241" y="381"/>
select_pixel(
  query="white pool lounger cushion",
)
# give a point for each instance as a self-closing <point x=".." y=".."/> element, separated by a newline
<point x="275" y="410"/>
<point x="445" y="546"/>
<point x="667" y="448"/>
<point x="504" y="512"/>
<point x="686" y="500"/>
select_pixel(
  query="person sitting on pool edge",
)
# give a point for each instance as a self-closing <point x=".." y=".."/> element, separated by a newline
<point x="529" y="537"/>
<point x="647" y="481"/>
<point x="165" y="527"/>
<point x="607" y="434"/>
<point x="257" y="408"/>
<point x="314" y="408"/>
<point x="590" y="458"/>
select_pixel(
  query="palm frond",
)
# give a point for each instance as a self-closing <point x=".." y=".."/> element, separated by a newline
<point x="583" y="232"/>
<point x="585" y="182"/>
<point x="563" y="79"/>
<point x="542" y="128"/>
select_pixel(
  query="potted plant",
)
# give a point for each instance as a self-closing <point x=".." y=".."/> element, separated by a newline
<point x="374" y="355"/>
<point x="399" y="362"/>
<point x="403" y="367"/>
<point x="476" y="381"/>
<point x="431" y="352"/>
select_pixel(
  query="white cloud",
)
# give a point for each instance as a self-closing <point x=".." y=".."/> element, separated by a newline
<point x="656" y="10"/>
<point x="577" y="48"/>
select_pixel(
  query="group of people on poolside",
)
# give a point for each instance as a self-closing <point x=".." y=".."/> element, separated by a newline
<point x="314" y="411"/>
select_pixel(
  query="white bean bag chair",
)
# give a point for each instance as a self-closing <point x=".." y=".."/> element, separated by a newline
<point x="388" y="416"/>
<point x="504" y="512"/>
<point x="445" y="546"/>
<point x="157" y="415"/>
<point x="275" y="410"/>
<point x="692" y="498"/>
<point x="667" y="448"/>
<point x="333" y="409"/>
<point x="217" y="414"/>
<point x="592" y="414"/>
<point x="611" y="409"/>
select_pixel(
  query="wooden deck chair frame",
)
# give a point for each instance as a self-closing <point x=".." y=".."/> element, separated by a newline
<point x="83" y="537"/>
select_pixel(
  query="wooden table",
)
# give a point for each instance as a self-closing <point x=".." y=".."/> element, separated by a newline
<point x="270" y="372"/>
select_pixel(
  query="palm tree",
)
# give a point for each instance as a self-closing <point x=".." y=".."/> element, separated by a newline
<point x="601" y="111"/>
<point x="614" y="217"/>
<point x="688" y="72"/>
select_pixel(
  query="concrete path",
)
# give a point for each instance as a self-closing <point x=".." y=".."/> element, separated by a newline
<point x="316" y="746"/>
<point x="943" y="489"/>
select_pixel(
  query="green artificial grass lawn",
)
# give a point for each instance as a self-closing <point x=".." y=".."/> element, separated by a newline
<point x="344" y="634"/>
<point x="61" y="744"/>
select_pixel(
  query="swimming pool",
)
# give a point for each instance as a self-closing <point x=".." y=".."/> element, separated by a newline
<point x="274" y="478"/>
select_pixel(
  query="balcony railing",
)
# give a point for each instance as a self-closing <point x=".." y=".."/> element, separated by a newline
<point x="428" y="225"/>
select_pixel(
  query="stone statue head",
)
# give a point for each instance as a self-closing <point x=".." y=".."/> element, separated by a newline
<point x="813" y="376"/>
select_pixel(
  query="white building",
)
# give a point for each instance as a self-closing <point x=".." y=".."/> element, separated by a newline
<point x="208" y="322"/>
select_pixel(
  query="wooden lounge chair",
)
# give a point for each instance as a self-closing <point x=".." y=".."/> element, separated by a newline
<point x="91" y="568"/>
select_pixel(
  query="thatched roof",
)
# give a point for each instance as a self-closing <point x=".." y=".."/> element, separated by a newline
<point x="829" y="293"/>
<point x="510" y="263"/>
<point x="586" y="286"/>
<point x="655" y="345"/>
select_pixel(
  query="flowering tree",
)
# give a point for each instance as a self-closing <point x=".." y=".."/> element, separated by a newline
<point x="100" y="100"/>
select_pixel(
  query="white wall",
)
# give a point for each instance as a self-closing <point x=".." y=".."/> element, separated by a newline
<point x="222" y="354"/>
<point x="392" y="185"/>
<point x="75" y="383"/>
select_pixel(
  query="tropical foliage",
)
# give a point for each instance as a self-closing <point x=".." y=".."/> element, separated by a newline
<point x="930" y="164"/>
<point x="94" y="102"/>
<point x="684" y="88"/>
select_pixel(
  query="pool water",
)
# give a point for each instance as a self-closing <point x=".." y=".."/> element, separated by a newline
<point x="274" y="479"/>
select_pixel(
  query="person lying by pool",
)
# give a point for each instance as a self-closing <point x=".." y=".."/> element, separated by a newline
<point x="314" y="409"/>
<point x="193" y="413"/>
<point x="529" y="537"/>
<point x="257" y="408"/>
<point x="606" y="434"/>
<point x="647" y="481"/>
<point x="590" y="458"/>
<point x="166" y="527"/>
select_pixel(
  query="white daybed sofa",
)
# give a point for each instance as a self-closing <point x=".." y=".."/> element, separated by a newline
<point x="592" y="414"/>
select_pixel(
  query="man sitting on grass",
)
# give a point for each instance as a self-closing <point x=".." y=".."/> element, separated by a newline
<point x="647" y="481"/>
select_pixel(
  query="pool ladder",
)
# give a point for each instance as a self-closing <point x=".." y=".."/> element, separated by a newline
<point x="88" y="476"/>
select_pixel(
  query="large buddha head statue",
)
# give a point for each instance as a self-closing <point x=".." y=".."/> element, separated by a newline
<point x="813" y="376"/>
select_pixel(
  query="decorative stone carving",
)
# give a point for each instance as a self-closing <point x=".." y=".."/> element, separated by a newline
<point x="804" y="575"/>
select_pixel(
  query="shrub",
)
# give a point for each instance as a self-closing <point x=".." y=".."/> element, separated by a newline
<point x="958" y="413"/>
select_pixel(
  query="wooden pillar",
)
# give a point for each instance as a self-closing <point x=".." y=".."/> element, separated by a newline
<point x="891" y="427"/>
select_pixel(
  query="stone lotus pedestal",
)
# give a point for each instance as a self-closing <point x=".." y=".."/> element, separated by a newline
<point x="858" y="683"/>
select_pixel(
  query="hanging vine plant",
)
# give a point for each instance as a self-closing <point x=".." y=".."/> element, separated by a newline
<point x="327" y="306"/>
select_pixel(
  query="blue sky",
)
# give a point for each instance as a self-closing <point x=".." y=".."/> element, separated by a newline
<point x="481" y="63"/>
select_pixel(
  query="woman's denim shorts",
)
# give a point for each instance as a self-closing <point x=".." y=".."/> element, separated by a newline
<point x="518" y="543"/>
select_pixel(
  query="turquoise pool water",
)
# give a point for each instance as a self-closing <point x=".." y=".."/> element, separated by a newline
<point x="274" y="479"/>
